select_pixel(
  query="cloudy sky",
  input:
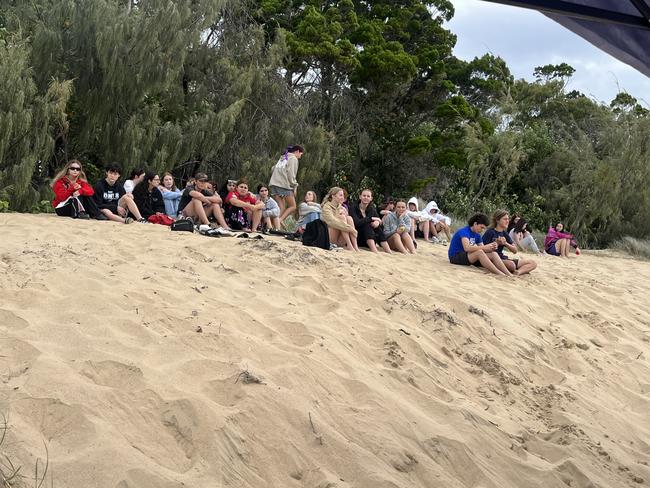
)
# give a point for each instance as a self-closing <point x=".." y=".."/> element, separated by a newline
<point x="526" y="39"/>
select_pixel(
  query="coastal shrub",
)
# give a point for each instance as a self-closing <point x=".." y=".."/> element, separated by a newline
<point x="639" y="248"/>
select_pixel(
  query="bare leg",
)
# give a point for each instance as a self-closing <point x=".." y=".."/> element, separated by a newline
<point x="111" y="216"/>
<point x="386" y="247"/>
<point x="215" y="208"/>
<point x="395" y="242"/>
<point x="425" y="228"/>
<point x="442" y="227"/>
<point x="510" y="265"/>
<point x="275" y="221"/>
<point x="334" y="234"/>
<point x="129" y="203"/>
<point x="526" y="266"/>
<point x="408" y="242"/>
<point x="195" y="209"/>
<point x="290" y="207"/>
<point x="280" y="201"/>
<point x="371" y="245"/>
<point x="257" y="217"/>
<point x="499" y="263"/>
<point x="485" y="261"/>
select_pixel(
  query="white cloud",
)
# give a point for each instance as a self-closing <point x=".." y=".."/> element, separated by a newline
<point x="526" y="39"/>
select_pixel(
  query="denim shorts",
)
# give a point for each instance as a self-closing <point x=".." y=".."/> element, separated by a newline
<point x="281" y="192"/>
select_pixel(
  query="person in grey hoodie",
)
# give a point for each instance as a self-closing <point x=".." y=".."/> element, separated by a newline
<point x="397" y="226"/>
<point x="308" y="210"/>
<point x="283" y="181"/>
<point x="271" y="212"/>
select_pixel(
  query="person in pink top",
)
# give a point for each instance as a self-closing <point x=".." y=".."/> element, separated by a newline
<point x="558" y="242"/>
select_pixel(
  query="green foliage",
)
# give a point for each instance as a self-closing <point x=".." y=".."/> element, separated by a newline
<point x="4" y="206"/>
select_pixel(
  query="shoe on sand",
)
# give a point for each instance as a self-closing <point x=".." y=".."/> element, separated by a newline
<point x="128" y="220"/>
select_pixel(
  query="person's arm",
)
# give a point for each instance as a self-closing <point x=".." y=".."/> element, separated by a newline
<point x="390" y="224"/>
<point x="292" y="173"/>
<point x="62" y="193"/>
<point x="159" y="204"/>
<point x="171" y="194"/>
<point x="468" y="248"/>
<point x="86" y="189"/>
<point x="272" y="205"/>
<point x="199" y="196"/>
<point x="509" y="244"/>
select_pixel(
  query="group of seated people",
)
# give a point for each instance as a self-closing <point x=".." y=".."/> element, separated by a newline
<point x="350" y="225"/>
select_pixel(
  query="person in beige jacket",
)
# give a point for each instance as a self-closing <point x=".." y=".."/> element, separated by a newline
<point x="339" y="225"/>
<point x="283" y="183"/>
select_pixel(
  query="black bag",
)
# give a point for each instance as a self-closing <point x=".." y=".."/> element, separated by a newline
<point x="183" y="225"/>
<point x="316" y="235"/>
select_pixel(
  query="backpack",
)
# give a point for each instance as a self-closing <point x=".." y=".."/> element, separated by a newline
<point x="316" y="235"/>
<point x="183" y="225"/>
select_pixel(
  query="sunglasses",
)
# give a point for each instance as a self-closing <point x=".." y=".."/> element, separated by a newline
<point x="74" y="168"/>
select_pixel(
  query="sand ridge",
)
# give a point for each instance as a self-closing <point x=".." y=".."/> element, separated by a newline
<point x="146" y="358"/>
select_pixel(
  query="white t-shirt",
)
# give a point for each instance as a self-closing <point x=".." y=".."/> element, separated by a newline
<point x="129" y="186"/>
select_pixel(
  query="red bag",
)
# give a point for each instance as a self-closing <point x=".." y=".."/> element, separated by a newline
<point x="161" y="219"/>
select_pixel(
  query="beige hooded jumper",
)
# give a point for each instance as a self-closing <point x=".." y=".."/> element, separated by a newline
<point x="330" y="214"/>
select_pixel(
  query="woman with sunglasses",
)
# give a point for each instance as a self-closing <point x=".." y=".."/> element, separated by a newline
<point x="73" y="193"/>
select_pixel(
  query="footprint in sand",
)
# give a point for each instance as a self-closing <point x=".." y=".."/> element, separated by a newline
<point x="113" y="374"/>
<point x="17" y="357"/>
<point x="65" y="426"/>
<point x="10" y="321"/>
<point x="139" y="478"/>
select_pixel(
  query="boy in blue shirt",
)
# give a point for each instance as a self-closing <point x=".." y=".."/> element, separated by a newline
<point x="467" y="248"/>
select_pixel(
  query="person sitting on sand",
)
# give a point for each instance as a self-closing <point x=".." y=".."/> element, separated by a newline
<point x="519" y="232"/>
<point x="467" y="248"/>
<point x="271" y="210"/>
<point x="387" y="207"/>
<point x="242" y="208"/>
<point x="148" y="197"/>
<point x="439" y="223"/>
<point x="499" y="233"/>
<point x="397" y="229"/>
<point x="137" y="175"/>
<point x="171" y="194"/>
<point x="558" y="242"/>
<point x="113" y="201"/>
<point x="72" y="193"/>
<point x="283" y="183"/>
<point x="422" y="225"/>
<point x="308" y="210"/>
<point x="368" y="223"/>
<point x="339" y="225"/>
<point x="198" y="203"/>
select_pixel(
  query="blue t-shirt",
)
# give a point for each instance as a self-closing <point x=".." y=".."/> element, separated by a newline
<point x="456" y="244"/>
<point x="491" y="236"/>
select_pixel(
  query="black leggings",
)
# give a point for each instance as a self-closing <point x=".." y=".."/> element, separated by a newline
<point x="72" y="208"/>
<point x="366" y="233"/>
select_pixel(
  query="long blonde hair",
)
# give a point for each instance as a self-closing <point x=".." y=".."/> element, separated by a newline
<point x="64" y="172"/>
<point x="330" y="194"/>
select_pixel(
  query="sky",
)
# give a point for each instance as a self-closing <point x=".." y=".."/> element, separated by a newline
<point x="525" y="39"/>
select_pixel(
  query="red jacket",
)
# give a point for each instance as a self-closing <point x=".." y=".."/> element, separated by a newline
<point x="63" y="189"/>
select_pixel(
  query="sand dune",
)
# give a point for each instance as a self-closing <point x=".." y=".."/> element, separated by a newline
<point x="145" y="358"/>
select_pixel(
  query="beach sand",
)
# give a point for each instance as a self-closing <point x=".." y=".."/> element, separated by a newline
<point x="136" y="357"/>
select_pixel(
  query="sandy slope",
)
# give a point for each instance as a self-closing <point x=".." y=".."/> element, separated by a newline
<point x="414" y="373"/>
